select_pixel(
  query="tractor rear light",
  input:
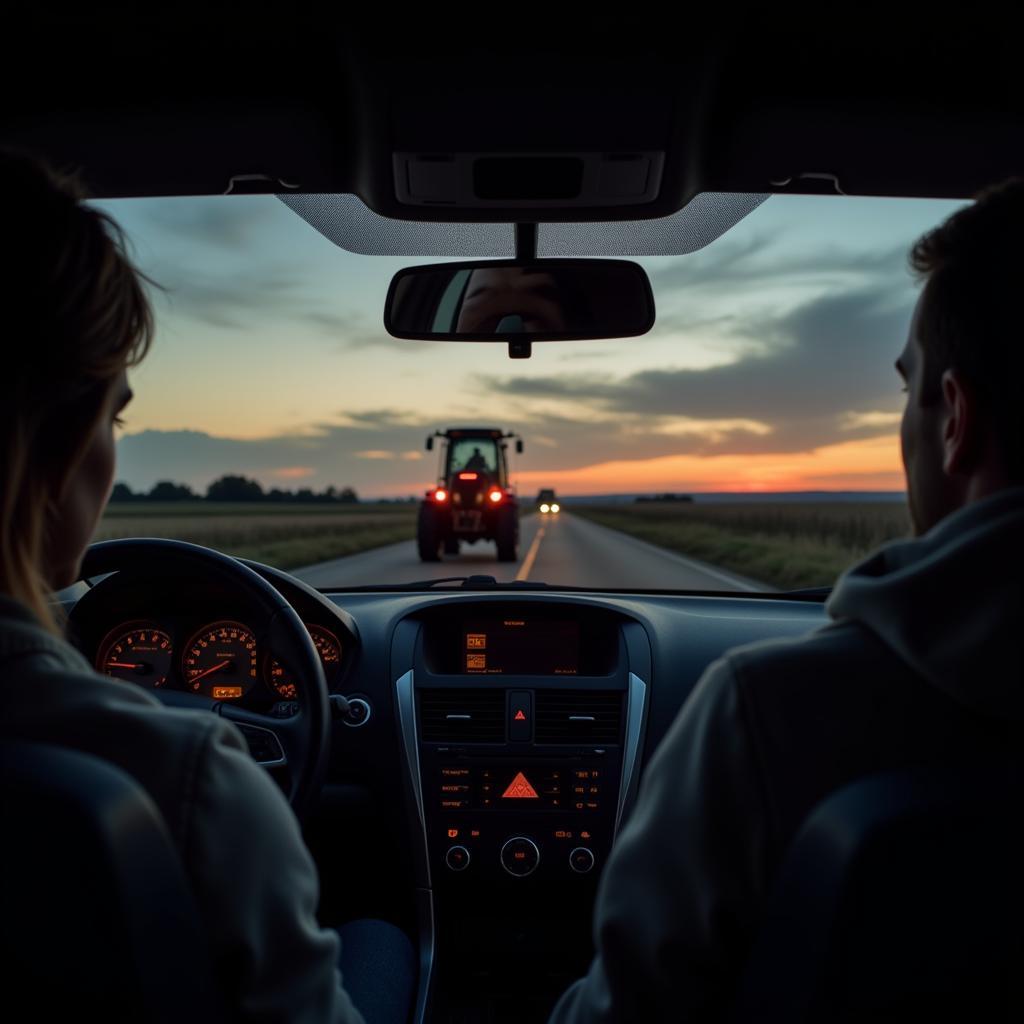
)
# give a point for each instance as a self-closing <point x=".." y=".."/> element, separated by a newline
<point x="440" y="494"/>
<point x="467" y="476"/>
<point x="496" y="496"/>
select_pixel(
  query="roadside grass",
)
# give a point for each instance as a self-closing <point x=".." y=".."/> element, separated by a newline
<point x="785" y="545"/>
<point x="284" y="535"/>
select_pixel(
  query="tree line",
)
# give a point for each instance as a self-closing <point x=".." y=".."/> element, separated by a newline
<point x="234" y="488"/>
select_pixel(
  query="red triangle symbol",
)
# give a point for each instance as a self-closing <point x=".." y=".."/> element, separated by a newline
<point x="519" y="716"/>
<point x="520" y="789"/>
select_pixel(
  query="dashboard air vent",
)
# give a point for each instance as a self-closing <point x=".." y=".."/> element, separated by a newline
<point x="462" y="716"/>
<point x="574" y="716"/>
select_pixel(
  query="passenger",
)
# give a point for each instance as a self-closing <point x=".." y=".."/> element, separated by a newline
<point x="921" y="663"/>
<point x="76" y="318"/>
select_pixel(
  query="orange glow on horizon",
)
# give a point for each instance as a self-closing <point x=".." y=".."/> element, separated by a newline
<point x="872" y="464"/>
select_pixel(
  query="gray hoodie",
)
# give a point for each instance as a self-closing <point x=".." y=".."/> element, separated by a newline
<point x="921" y="663"/>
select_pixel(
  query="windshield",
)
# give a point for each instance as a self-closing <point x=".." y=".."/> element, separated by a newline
<point x="479" y="456"/>
<point x="749" y="442"/>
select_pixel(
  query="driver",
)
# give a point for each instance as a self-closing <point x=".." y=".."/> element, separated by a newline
<point x="921" y="663"/>
<point x="76" y="317"/>
<point x="476" y="461"/>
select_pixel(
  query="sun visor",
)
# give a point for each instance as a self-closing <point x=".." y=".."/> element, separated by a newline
<point x="347" y="222"/>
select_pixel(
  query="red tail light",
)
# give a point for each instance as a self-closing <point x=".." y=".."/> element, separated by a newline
<point x="440" y="494"/>
<point x="495" y="496"/>
<point x="467" y="476"/>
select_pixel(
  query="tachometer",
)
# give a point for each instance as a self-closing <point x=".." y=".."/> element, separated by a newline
<point x="328" y="647"/>
<point x="220" y="661"/>
<point x="137" y="653"/>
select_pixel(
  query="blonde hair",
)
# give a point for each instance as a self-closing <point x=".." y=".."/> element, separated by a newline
<point x="74" y="315"/>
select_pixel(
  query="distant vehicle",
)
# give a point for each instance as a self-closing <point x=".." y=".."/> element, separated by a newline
<point x="473" y="499"/>
<point x="547" y="503"/>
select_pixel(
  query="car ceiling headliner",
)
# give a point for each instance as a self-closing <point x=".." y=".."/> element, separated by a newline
<point x="148" y="106"/>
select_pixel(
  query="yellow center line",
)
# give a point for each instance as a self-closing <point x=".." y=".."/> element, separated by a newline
<point x="531" y="556"/>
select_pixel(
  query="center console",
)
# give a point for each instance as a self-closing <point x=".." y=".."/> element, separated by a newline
<point x="521" y="724"/>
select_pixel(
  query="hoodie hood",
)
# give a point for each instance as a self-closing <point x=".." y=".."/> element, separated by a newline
<point x="949" y="604"/>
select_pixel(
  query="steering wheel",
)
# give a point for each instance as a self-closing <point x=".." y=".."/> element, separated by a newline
<point x="300" y="741"/>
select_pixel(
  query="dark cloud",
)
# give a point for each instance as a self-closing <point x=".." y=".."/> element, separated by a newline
<point x="825" y="359"/>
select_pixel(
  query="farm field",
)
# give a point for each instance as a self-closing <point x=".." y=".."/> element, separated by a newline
<point x="286" y="535"/>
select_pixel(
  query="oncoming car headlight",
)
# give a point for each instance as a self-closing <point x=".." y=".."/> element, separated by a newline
<point x="545" y="507"/>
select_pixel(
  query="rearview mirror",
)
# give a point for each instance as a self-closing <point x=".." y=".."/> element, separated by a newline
<point x="519" y="301"/>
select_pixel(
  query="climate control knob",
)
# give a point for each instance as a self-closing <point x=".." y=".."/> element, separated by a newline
<point x="581" y="860"/>
<point x="457" y="858"/>
<point x="520" y="856"/>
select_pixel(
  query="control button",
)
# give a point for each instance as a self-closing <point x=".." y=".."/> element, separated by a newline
<point x="455" y="773"/>
<point x="520" y="856"/>
<point x="455" y="787"/>
<point x="581" y="860"/>
<point x="520" y="716"/>
<point x="457" y="858"/>
<point x="454" y="805"/>
<point x="358" y="713"/>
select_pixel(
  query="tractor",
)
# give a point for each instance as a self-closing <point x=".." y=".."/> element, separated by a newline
<point x="473" y="499"/>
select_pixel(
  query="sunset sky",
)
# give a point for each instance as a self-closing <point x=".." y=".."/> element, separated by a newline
<point x="770" y="366"/>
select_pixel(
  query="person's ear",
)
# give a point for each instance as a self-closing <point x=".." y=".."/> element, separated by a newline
<point x="961" y="424"/>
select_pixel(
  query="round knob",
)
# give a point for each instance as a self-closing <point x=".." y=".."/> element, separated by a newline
<point x="581" y="860"/>
<point x="520" y="856"/>
<point x="358" y="713"/>
<point x="457" y="858"/>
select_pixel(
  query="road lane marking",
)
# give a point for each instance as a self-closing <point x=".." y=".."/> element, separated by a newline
<point x="531" y="556"/>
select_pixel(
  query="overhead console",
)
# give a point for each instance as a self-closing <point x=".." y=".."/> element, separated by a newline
<point x="522" y="722"/>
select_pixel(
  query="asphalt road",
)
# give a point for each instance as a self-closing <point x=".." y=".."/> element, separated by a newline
<point x="562" y="549"/>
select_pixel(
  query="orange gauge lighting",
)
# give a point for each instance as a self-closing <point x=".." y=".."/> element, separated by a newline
<point x="327" y="646"/>
<point x="137" y="653"/>
<point x="220" y="661"/>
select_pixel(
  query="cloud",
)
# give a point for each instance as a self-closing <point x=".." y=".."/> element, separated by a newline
<point x="228" y="224"/>
<point x="815" y="367"/>
<point x="374" y="453"/>
<point x="292" y="472"/>
<point x="856" y="420"/>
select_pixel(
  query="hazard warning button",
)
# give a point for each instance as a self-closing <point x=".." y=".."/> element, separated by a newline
<point x="520" y="789"/>
<point x="520" y="856"/>
<point x="520" y="716"/>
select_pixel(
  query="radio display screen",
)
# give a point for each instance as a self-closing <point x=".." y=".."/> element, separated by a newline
<point x="520" y="646"/>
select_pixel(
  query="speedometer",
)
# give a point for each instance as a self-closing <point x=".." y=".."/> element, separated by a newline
<point x="137" y="653"/>
<point x="327" y="646"/>
<point x="220" y="661"/>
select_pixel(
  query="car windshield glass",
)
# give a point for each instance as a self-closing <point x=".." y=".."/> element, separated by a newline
<point x="749" y="442"/>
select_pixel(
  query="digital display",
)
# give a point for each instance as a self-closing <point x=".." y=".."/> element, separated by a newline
<point x="226" y="692"/>
<point x="521" y="646"/>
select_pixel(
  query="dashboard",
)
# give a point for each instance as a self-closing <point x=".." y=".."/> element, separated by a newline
<point x="201" y="641"/>
<point x="502" y="748"/>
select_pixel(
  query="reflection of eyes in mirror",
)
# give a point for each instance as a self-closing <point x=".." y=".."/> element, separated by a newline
<point x="496" y="294"/>
<point x="502" y="300"/>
